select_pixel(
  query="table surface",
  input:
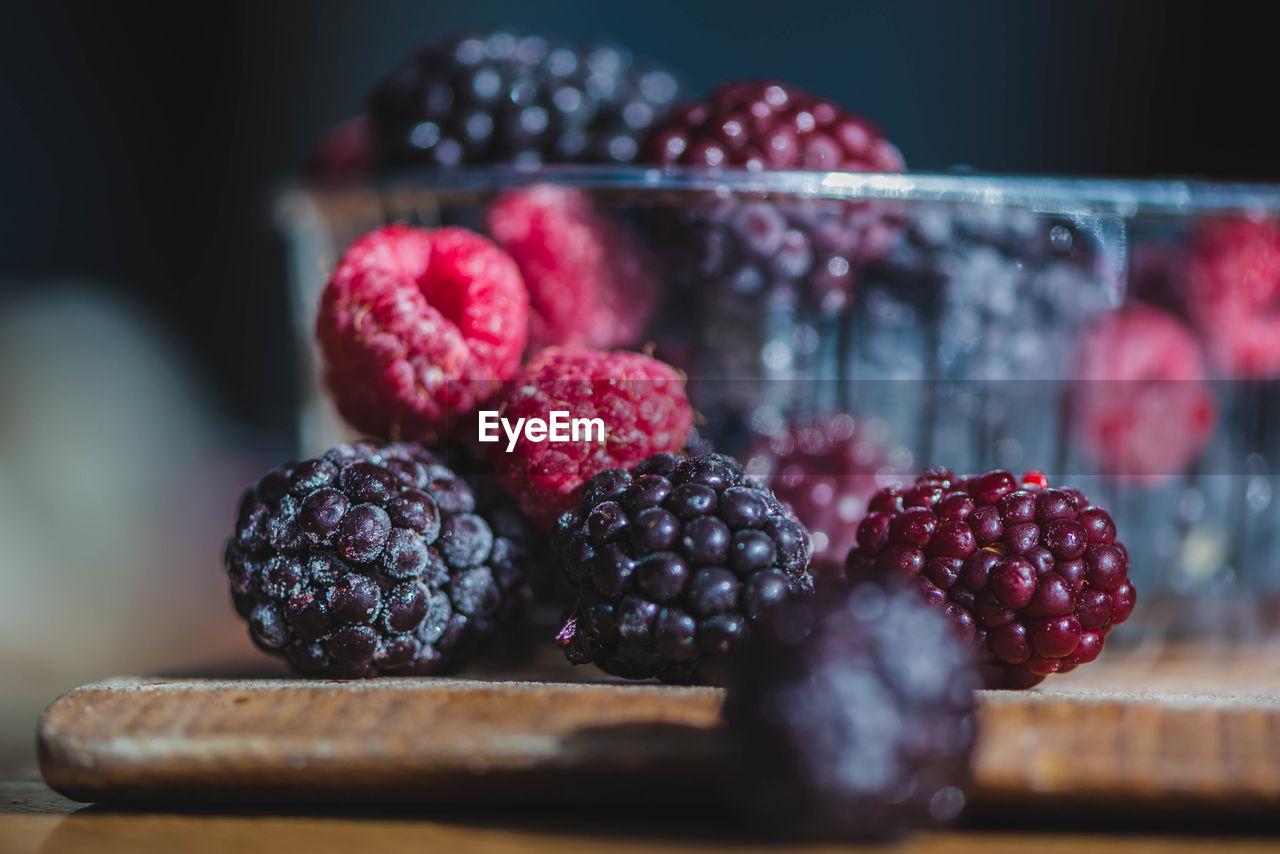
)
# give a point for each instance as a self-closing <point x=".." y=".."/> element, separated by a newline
<point x="35" y="819"/>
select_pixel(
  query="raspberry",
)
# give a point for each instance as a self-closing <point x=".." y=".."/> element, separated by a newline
<point x="345" y="152"/>
<point x="1034" y="575"/>
<point x="824" y="469"/>
<point x="417" y="327"/>
<point x="373" y="559"/>
<point x="855" y="714"/>
<point x="640" y="400"/>
<point x="1143" y="404"/>
<point x="1232" y="290"/>
<point x="672" y="562"/>
<point x="506" y="97"/>
<point x="806" y="249"/>
<point x="591" y="284"/>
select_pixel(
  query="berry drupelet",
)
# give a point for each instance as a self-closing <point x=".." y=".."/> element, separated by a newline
<point x="1033" y="574"/>
<point x="855" y="714"/>
<point x="780" y="249"/>
<point x="672" y="562"/>
<point x="374" y="559"/>
<point x="507" y="97"/>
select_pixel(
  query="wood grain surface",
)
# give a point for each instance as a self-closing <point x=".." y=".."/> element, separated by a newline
<point x="1164" y="729"/>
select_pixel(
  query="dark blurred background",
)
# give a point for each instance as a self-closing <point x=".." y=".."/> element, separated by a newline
<point x="145" y="357"/>
<point x="141" y="140"/>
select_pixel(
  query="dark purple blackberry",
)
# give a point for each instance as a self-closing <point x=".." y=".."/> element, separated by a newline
<point x="982" y="292"/>
<point x="506" y="97"/>
<point x="374" y="559"/>
<point x="672" y="563"/>
<point x="855" y="715"/>
<point x="1033" y="575"/>
<point x="743" y="250"/>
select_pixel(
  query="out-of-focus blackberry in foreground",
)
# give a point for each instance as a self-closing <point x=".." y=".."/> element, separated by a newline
<point x="672" y="563"/>
<point x="510" y="97"/>
<point x="854" y="714"/>
<point x="374" y="560"/>
<point x="1033" y="575"/>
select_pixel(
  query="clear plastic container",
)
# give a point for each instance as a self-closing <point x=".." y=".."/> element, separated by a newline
<point x="965" y="321"/>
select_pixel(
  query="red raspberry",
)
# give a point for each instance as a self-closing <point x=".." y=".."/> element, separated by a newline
<point x="1144" y="407"/>
<point x="590" y="283"/>
<point x="824" y="469"/>
<point x="641" y="401"/>
<point x="1033" y="575"/>
<point x="1232" y="288"/>
<point x="417" y="327"/>
<point x="344" y="152"/>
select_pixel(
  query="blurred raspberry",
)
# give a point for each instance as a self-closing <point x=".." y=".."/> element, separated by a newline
<point x="345" y="152"/>
<point x="417" y="327"/>
<point x="640" y="400"/>
<point x="824" y="469"/>
<point x="1143" y="405"/>
<point x="590" y="282"/>
<point x="1232" y="290"/>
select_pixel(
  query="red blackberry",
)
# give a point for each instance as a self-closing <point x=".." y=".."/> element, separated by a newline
<point x="855" y="714"/>
<point x="374" y="559"/>
<point x="506" y="97"/>
<point x="1034" y="575"/>
<point x="673" y="561"/>
<point x="787" y="249"/>
<point x="824" y="469"/>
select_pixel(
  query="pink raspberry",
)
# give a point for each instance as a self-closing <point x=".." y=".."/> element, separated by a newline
<point x="1232" y="289"/>
<point x="418" y="327"/>
<point x="640" y="400"/>
<point x="591" y="284"/>
<point x="1145" y="409"/>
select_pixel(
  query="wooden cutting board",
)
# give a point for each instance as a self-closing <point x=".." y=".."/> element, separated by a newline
<point x="1174" y="728"/>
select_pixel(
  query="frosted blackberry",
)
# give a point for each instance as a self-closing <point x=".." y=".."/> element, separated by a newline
<point x="982" y="292"/>
<point x="1033" y="575"/>
<point x="854" y="713"/>
<point x="375" y="559"/>
<point x="507" y="97"/>
<point x="672" y="563"/>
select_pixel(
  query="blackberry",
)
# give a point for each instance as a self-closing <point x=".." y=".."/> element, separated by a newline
<point x="791" y="250"/>
<point x="982" y="293"/>
<point x="507" y="97"/>
<point x="672" y="563"/>
<point x="855" y="714"/>
<point x="374" y="559"/>
<point x="1032" y="574"/>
